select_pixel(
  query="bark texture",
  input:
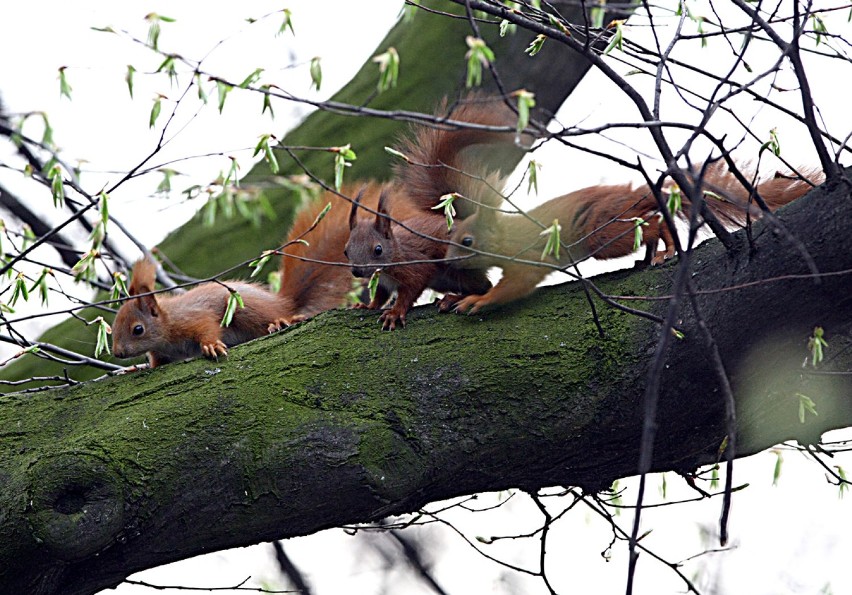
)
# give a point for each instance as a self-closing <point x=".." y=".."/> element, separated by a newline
<point x="334" y="421"/>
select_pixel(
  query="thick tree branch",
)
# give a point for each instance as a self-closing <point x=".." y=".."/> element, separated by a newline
<point x="335" y="422"/>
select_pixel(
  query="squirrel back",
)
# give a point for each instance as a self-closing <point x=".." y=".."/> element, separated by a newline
<point x="171" y="327"/>
<point x="598" y="221"/>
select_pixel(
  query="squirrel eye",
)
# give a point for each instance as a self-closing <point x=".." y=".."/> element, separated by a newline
<point x="377" y="250"/>
<point x="138" y="330"/>
<point x="467" y="241"/>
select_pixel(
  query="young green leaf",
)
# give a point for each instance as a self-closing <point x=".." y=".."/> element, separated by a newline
<point x="552" y="244"/>
<point x="168" y="66"/>
<point x="597" y="14"/>
<point x="235" y="300"/>
<point x="816" y="343"/>
<point x="222" y="89"/>
<point x="506" y="27"/>
<point x="675" y="202"/>
<point x="844" y="483"/>
<point x="342" y="156"/>
<point x="373" y="284"/>
<point x="128" y="77"/>
<point x="104" y="330"/>
<point x="233" y="173"/>
<point x="446" y="203"/>
<point x="85" y="267"/>
<point x="287" y="23"/>
<point x="64" y="87"/>
<point x="155" y="110"/>
<point x="772" y="144"/>
<point x="202" y="94"/>
<point x="119" y="286"/>
<point x="714" y="477"/>
<point x="154" y="21"/>
<point x="536" y="44"/>
<point x="532" y="172"/>
<point x="637" y="232"/>
<point x="251" y="79"/>
<point x="268" y="153"/>
<point x="388" y="69"/>
<point x="478" y="55"/>
<point x="779" y="461"/>
<point x="19" y="290"/>
<point x="47" y="135"/>
<point x="29" y="237"/>
<point x="258" y="264"/>
<point x="98" y="235"/>
<point x="57" y="187"/>
<point x="617" y="39"/>
<point x="316" y="72"/>
<point x="526" y="101"/>
<point x="806" y="405"/>
<point x="819" y="27"/>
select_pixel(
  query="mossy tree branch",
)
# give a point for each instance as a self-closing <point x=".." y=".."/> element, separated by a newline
<point x="334" y="421"/>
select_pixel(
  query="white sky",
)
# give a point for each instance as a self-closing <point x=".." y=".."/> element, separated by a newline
<point x="789" y="539"/>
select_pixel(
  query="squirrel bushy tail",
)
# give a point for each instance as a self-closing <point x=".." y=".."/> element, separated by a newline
<point x="315" y="274"/>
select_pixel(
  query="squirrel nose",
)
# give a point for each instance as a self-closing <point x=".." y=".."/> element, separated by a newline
<point x="360" y="272"/>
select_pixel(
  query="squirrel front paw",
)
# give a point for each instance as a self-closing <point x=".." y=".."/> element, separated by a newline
<point x="214" y="350"/>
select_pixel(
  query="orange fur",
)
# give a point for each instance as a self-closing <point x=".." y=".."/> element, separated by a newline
<point x="310" y="287"/>
<point x="598" y="221"/>
<point x="173" y="327"/>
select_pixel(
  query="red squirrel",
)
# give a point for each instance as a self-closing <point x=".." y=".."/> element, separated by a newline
<point x="181" y="326"/>
<point x="405" y="236"/>
<point x="598" y="221"/>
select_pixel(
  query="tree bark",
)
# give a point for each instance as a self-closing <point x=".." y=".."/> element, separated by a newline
<point x="333" y="421"/>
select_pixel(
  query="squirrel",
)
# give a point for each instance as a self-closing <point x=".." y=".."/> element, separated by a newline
<point x="404" y="237"/>
<point x="176" y="327"/>
<point x="182" y="326"/>
<point x="598" y="222"/>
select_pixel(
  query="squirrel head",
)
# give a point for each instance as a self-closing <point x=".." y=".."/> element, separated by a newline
<point x="140" y="323"/>
<point x="477" y="232"/>
<point x="371" y="244"/>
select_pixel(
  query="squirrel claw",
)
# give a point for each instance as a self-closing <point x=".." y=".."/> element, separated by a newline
<point x="281" y="323"/>
<point x="214" y="350"/>
<point x="470" y="304"/>
<point x="389" y="320"/>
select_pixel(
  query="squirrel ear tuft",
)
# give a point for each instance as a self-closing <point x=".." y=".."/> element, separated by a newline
<point x="142" y="276"/>
<point x="353" y="212"/>
<point x="383" y="222"/>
